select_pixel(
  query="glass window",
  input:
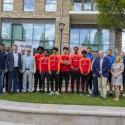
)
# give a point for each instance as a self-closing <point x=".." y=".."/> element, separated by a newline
<point x="105" y="36"/>
<point x="87" y="4"/>
<point x="74" y="36"/>
<point x="93" y="37"/>
<point x="27" y="31"/>
<point x="51" y="6"/>
<point x="6" y="31"/>
<point x="7" y="43"/>
<point x="29" y="5"/>
<point x="77" y="5"/>
<point x="38" y="32"/>
<point x="49" y="31"/>
<point x="84" y="37"/>
<point x="48" y="44"/>
<point x="7" y="5"/>
<point x="17" y="32"/>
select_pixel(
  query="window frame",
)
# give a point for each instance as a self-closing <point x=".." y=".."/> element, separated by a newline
<point x="50" y="3"/>
<point x="7" y="3"/>
<point x="26" y="3"/>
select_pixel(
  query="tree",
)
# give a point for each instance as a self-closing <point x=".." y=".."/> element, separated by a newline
<point x="112" y="15"/>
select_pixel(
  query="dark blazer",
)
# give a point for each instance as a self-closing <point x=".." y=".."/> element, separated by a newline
<point x="2" y="60"/>
<point x="9" y="64"/>
<point x="94" y="63"/>
<point x="105" y="67"/>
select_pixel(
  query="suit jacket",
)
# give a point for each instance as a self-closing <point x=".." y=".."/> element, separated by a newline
<point x="94" y="63"/>
<point x="9" y="63"/>
<point x="105" y="67"/>
<point x="32" y="64"/>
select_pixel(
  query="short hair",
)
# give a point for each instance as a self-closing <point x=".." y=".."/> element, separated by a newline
<point x="40" y="48"/>
<point x="84" y="52"/>
<point x="65" y="48"/>
<point x="55" y="48"/>
<point x="2" y="44"/>
<point x="46" y="50"/>
<point x="15" y="45"/>
<point x="109" y="50"/>
<point x="76" y="47"/>
<point x="89" y="48"/>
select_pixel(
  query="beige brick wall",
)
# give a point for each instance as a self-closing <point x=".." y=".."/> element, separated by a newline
<point x="41" y="14"/>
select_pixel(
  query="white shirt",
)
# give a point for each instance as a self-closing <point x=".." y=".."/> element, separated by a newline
<point x="101" y="61"/>
<point x="15" y="59"/>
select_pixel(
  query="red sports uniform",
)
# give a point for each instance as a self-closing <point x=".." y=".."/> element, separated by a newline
<point x="38" y="57"/>
<point x="54" y="63"/>
<point x="65" y="63"/>
<point x="85" y="65"/>
<point x="44" y="64"/>
<point x="75" y="58"/>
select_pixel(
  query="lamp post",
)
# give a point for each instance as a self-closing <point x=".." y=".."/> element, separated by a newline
<point x="61" y="28"/>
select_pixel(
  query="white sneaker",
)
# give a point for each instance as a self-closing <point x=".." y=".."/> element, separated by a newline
<point x="57" y="93"/>
<point x="51" y="93"/>
<point x="90" y="91"/>
<point x="123" y="94"/>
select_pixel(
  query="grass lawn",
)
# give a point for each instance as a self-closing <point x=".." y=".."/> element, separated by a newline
<point x="70" y="99"/>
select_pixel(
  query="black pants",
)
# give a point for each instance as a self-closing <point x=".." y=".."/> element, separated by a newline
<point x="84" y="82"/>
<point x="75" y="75"/>
<point x="45" y="76"/>
<point x="37" y="77"/>
<point x="64" y="76"/>
<point x="110" y="78"/>
<point x="90" y="81"/>
<point x="54" y="76"/>
<point x="95" y="86"/>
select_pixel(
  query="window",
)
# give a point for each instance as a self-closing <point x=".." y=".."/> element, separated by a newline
<point x="17" y="32"/>
<point x="29" y="5"/>
<point x="27" y="32"/>
<point x="93" y="37"/>
<point x="87" y="4"/>
<point x="38" y="34"/>
<point x="6" y="31"/>
<point x="81" y="5"/>
<point x="7" y="5"/>
<point x="77" y="5"/>
<point x="51" y="6"/>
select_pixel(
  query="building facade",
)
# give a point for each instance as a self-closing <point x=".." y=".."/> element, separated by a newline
<point x="36" y="21"/>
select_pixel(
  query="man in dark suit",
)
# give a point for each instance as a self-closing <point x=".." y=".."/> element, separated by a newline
<point x="102" y="71"/>
<point x="94" y="75"/>
<point x="13" y="66"/>
<point x="2" y="66"/>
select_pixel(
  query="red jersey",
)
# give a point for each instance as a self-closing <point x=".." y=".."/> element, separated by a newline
<point x="54" y="63"/>
<point x="65" y="62"/>
<point x="44" y="64"/>
<point x="37" y="57"/>
<point x="85" y="65"/>
<point x="75" y="58"/>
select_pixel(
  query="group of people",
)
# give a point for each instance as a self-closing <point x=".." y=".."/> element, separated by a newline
<point x="87" y="72"/>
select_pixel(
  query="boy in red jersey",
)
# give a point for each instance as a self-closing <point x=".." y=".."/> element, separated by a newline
<point x="85" y="68"/>
<point x="37" y="76"/>
<point x="54" y="68"/>
<point x="65" y="63"/>
<point x="44" y="70"/>
<point x="75" y="70"/>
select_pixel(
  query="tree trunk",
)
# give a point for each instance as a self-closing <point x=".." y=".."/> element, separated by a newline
<point x="118" y="40"/>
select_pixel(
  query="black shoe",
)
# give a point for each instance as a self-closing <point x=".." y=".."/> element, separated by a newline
<point x="110" y="94"/>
